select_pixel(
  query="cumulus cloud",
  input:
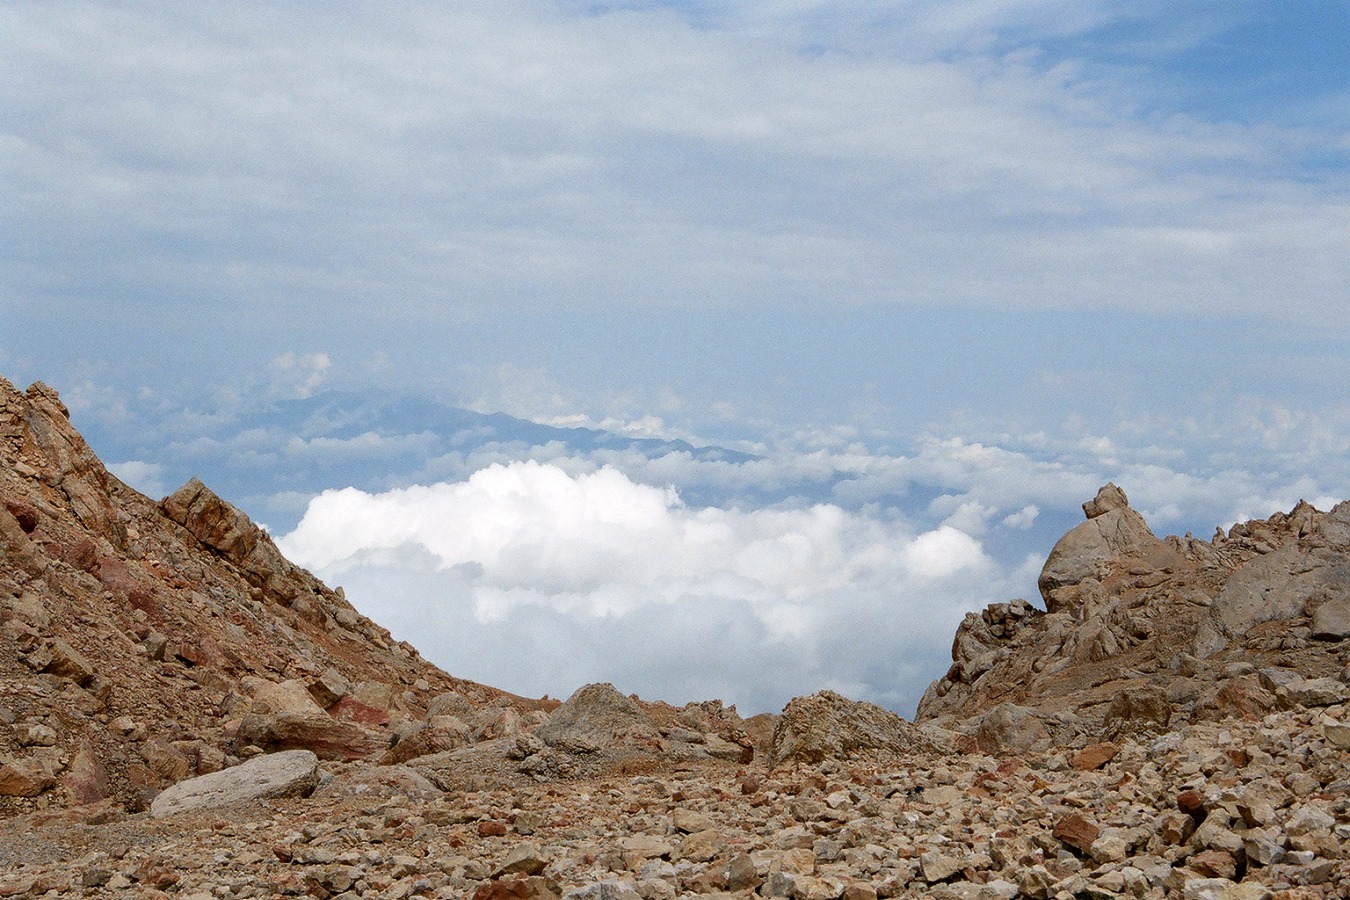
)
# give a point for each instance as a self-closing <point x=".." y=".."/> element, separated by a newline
<point x="537" y="579"/>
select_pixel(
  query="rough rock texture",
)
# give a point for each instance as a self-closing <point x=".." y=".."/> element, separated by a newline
<point x="1142" y="634"/>
<point x="291" y="773"/>
<point x="827" y="725"/>
<point x="136" y="638"/>
<point x="1234" y="809"/>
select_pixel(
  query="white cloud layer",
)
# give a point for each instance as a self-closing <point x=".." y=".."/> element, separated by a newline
<point x="537" y="580"/>
<point x="467" y="158"/>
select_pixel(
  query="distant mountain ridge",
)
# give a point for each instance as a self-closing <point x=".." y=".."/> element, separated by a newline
<point x="298" y="447"/>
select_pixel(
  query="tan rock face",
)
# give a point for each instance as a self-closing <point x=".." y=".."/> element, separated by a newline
<point x="1142" y="634"/>
<point x="116" y="609"/>
<point x="1113" y="537"/>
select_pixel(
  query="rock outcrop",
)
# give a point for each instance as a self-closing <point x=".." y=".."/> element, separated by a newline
<point x="1114" y="537"/>
<point x="597" y="717"/>
<point x="1141" y="633"/>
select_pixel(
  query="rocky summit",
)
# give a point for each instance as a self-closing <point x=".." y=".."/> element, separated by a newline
<point x="185" y="713"/>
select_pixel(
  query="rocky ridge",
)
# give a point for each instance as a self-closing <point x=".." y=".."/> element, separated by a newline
<point x="185" y="713"/>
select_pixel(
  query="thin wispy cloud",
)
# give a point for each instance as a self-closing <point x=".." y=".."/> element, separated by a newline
<point x="451" y="161"/>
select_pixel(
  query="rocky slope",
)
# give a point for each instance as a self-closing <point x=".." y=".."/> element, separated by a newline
<point x="142" y="642"/>
<point x="185" y="713"/>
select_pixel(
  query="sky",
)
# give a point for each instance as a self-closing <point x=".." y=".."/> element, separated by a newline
<point x="927" y="272"/>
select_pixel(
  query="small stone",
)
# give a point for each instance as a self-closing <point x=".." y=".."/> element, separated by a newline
<point x="1077" y="832"/>
<point x="741" y="874"/>
<point x="938" y="867"/>
<point x="1094" y="756"/>
<point x="702" y="846"/>
<point x="1213" y="864"/>
<point x="524" y="859"/>
<point x="1336" y="734"/>
<point x="1192" y="803"/>
<point x="690" y="821"/>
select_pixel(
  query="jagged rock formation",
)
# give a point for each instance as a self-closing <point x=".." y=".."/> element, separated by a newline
<point x="1141" y="633"/>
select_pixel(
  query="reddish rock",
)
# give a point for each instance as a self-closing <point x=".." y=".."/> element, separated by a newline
<point x="86" y="780"/>
<point x="24" y="513"/>
<point x="352" y="710"/>
<point x="1192" y="803"/>
<point x="1213" y="864"/>
<point x="83" y="555"/>
<point x="327" y="737"/>
<point x="1094" y="756"/>
<point x="491" y="828"/>
<point x="1077" y="832"/>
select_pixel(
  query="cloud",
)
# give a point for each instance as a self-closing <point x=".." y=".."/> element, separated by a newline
<point x="458" y="161"/>
<point x="298" y="376"/>
<point x="1024" y="518"/>
<point x="599" y="577"/>
<point x="146" y="477"/>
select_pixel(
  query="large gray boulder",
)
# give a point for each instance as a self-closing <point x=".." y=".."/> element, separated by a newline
<point x="293" y="773"/>
<point x="598" y="717"/>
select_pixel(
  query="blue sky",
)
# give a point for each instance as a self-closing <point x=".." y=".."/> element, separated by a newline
<point x="934" y="263"/>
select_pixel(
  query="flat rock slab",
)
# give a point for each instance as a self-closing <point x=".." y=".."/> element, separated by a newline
<point x="291" y="773"/>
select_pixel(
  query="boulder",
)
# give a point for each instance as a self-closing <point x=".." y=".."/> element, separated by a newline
<point x="293" y="773"/>
<point x="828" y="725"/>
<point x="322" y="734"/>
<point x="1009" y="728"/>
<point x="1086" y="553"/>
<point x="22" y="779"/>
<point x="597" y="717"/>
<point x="86" y="779"/>
<point x="1138" y="708"/>
<point x="58" y="658"/>
<point x="1331" y="621"/>
<point x="440" y="734"/>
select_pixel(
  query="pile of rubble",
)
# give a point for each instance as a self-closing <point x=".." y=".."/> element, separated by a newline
<point x="1244" y="809"/>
